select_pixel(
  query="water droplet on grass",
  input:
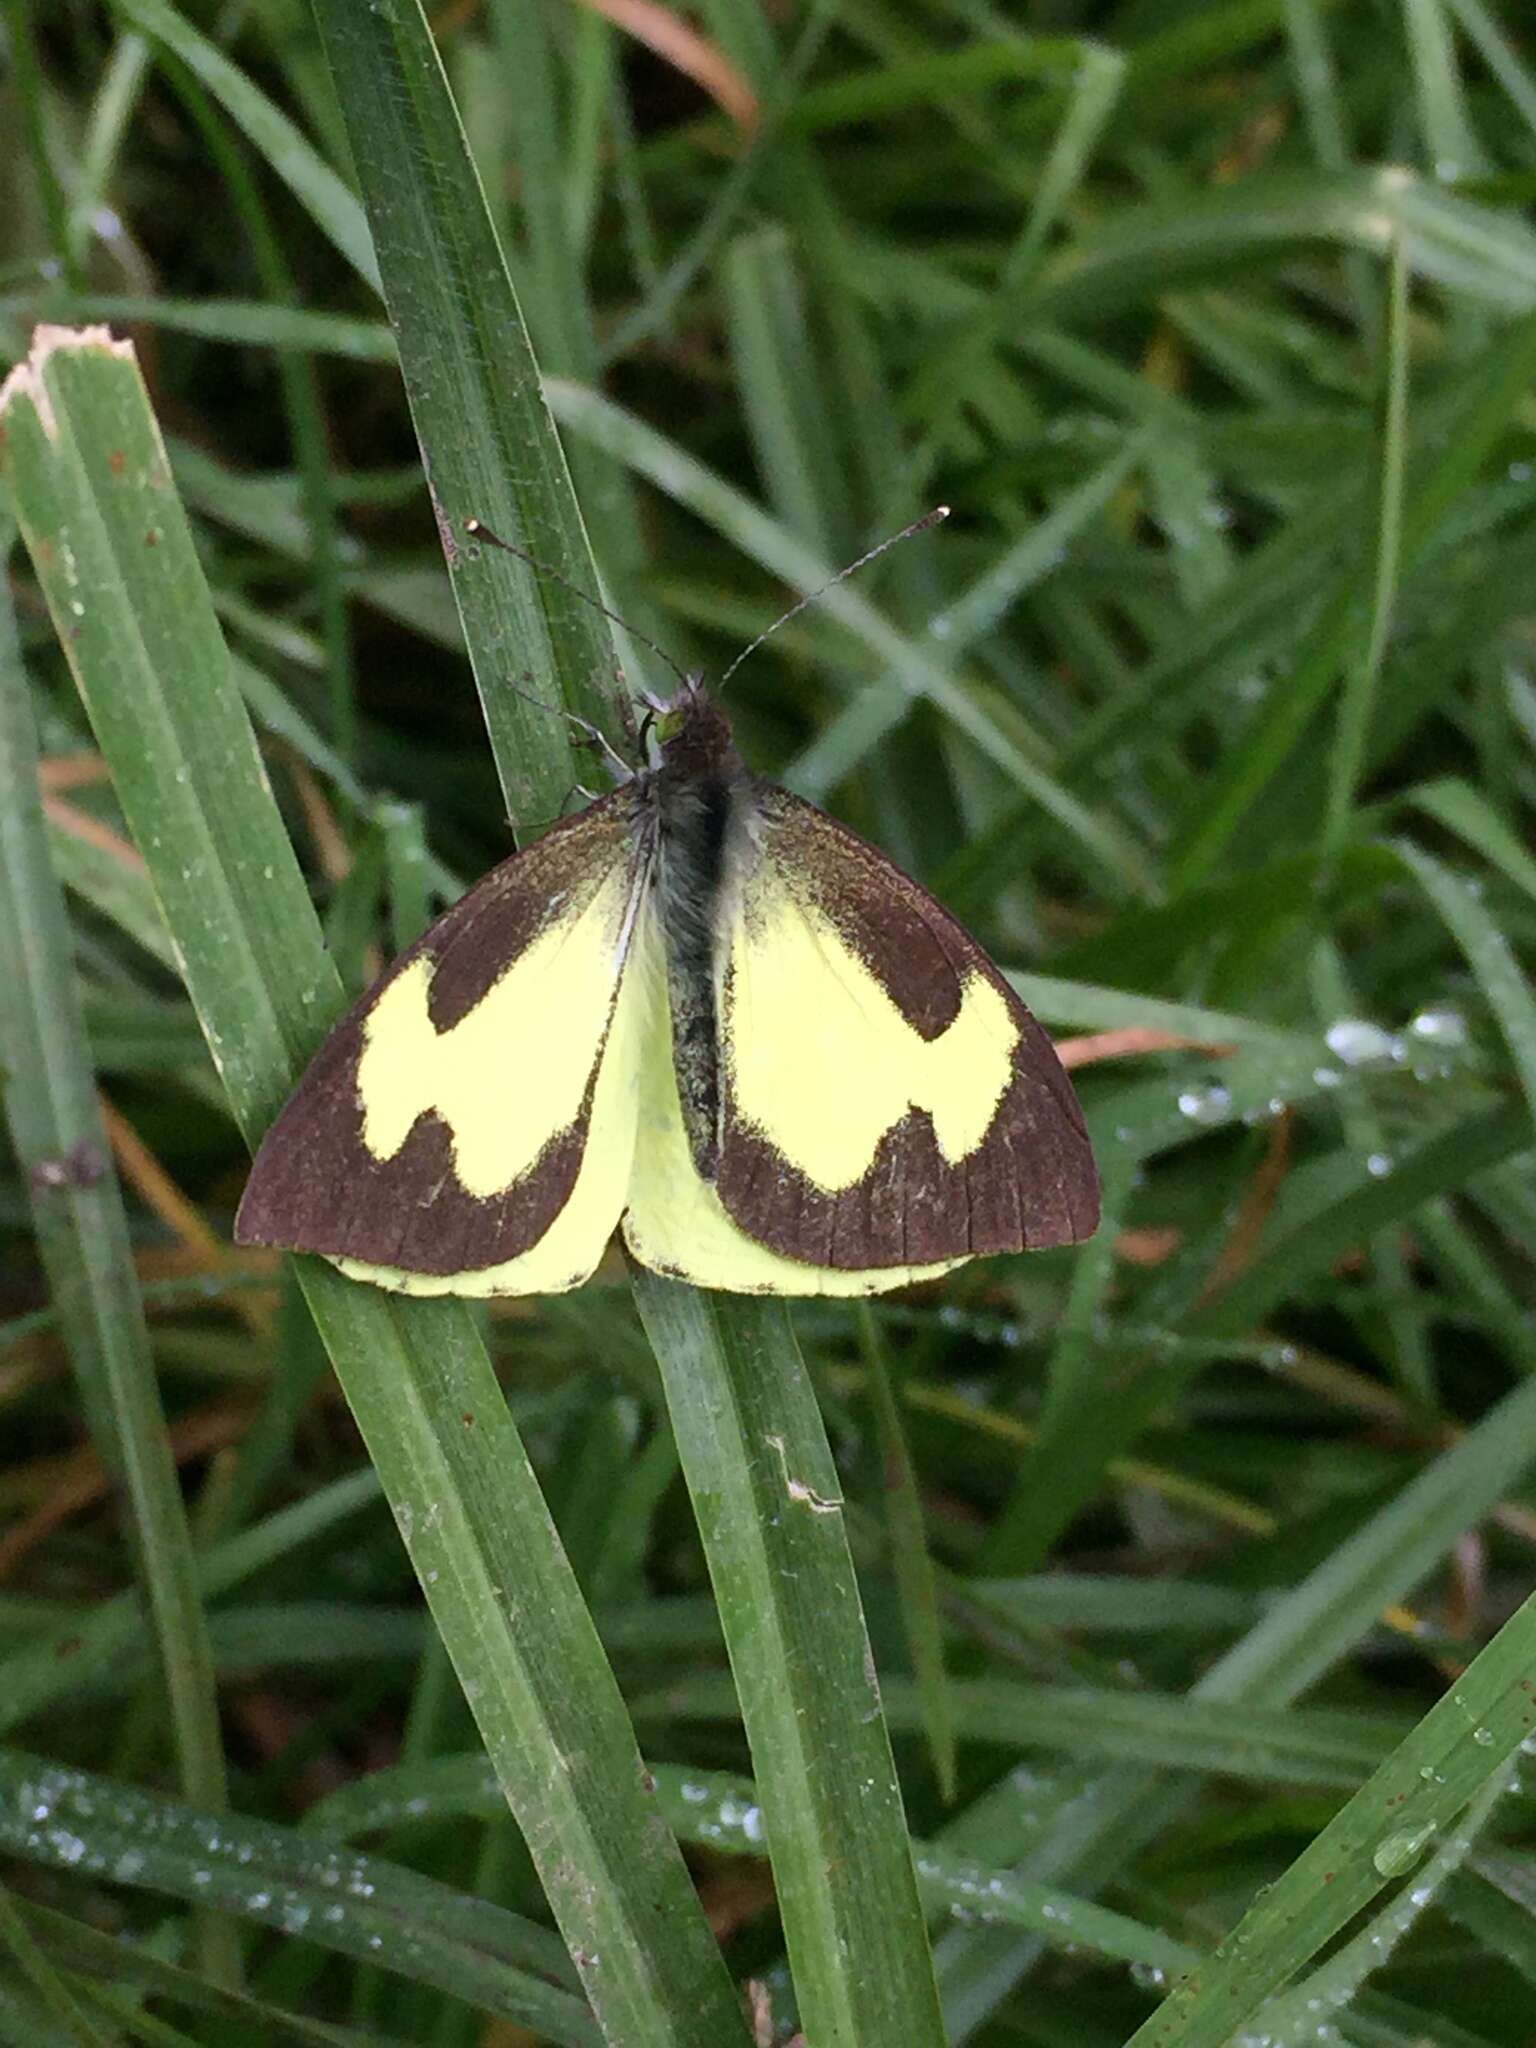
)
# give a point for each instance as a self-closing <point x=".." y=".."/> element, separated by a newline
<point x="1359" y="1043"/>
<point x="1447" y="1028"/>
<point x="1400" y="1851"/>
<point x="1205" y="1105"/>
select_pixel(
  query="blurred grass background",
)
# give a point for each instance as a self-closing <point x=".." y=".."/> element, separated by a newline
<point x="1212" y="709"/>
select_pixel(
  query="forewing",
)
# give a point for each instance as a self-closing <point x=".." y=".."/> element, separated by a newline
<point x="469" y="1126"/>
<point x="886" y="1099"/>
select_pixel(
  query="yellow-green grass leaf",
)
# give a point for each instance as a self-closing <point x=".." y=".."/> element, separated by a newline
<point x="243" y="323"/>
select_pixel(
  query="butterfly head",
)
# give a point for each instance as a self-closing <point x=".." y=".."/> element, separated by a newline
<point x="689" y="734"/>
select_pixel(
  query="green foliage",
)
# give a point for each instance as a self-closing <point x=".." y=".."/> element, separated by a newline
<point x="1193" y="1565"/>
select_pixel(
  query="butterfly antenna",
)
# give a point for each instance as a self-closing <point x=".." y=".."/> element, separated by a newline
<point x="933" y="518"/>
<point x="478" y="530"/>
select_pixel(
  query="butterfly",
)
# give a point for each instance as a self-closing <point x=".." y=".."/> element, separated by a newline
<point x="699" y="1011"/>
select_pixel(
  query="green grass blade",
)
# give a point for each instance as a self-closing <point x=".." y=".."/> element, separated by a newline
<point x="1368" y="1200"/>
<point x="132" y="1966"/>
<point x="479" y="413"/>
<point x="1037" y="550"/>
<point x="913" y="671"/>
<point x="719" y="1810"/>
<point x="27" y="87"/>
<point x="1466" y="812"/>
<point x="1501" y="1921"/>
<point x="1382" y="1835"/>
<point x="36" y="1967"/>
<point x="92" y="486"/>
<point x="766" y="1495"/>
<point x="1360" y="684"/>
<point x="1454" y="148"/>
<point x="1088" y="1007"/>
<point x="120" y="893"/>
<point x="548" y="98"/>
<point x="306" y="416"/>
<point x="1193" y="237"/>
<point x="240" y="322"/>
<point x="1179" y="1733"/>
<point x="292" y="157"/>
<point x="911" y="1562"/>
<point x="82" y="1231"/>
<point x="1255" y="764"/>
<point x="112" y="109"/>
<point x="75" y="1650"/>
<point x="951" y="379"/>
<point x="1316" y="82"/>
<point x="348" y="1903"/>
<point x="782" y="97"/>
<point x="1482" y="29"/>
<point x="1305" y="1633"/>
<point x="780" y="373"/>
<point x="1073" y="1386"/>
<point x="1293" y="2019"/>
<point x="1490" y="956"/>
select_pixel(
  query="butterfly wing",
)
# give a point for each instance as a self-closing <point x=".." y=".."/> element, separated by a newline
<point x="469" y="1126"/>
<point x="889" y="1108"/>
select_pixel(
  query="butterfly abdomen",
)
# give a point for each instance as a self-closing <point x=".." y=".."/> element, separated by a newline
<point x="696" y="818"/>
<point x="703" y="798"/>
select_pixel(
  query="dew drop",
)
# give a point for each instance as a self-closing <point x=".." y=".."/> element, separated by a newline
<point x="1205" y="1105"/>
<point x="1447" y="1028"/>
<point x="1359" y="1043"/>
<point x="1400" y="1851"/>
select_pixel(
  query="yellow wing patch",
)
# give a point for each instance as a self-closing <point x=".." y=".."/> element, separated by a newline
<point x="676" y="1223"/>
<point x="512" y="1074"/>
<point x="822" y="1061"/>
<point x="545" y="1018"/>
<point x="568" y="1252"/>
